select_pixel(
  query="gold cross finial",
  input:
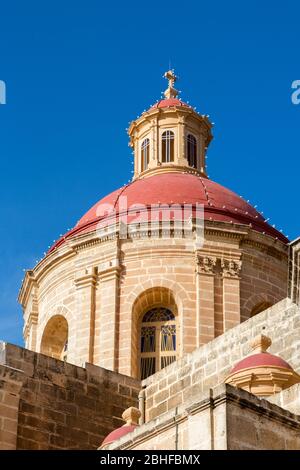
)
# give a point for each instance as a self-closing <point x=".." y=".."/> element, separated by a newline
<point x="171" y="92"/>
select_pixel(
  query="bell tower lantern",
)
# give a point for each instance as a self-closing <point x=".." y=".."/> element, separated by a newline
<point x="170" y="136"/>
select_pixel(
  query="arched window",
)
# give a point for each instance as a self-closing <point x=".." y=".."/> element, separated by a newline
<point x="192" y="150"/>
<point x="158" y="340"/>
<point x="168" y="147"/>
<point x="145" y="148"/>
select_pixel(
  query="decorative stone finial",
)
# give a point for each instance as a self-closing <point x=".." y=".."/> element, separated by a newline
<point x="170" y="92"/>
<point x="131" y="416"/>
<point x="260" y="344"/>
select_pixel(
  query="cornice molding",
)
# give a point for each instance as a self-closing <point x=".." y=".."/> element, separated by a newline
<point x="34" y="276"/>
<point x="88" y="279"/>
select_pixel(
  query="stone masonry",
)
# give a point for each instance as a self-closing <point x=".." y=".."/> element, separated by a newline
<point x="209" y="365"/>
<point x="49" y="404"/>
<point x="222" y="418"/>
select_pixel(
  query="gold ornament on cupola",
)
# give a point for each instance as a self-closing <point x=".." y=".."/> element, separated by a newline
<point x="170" y="136"/>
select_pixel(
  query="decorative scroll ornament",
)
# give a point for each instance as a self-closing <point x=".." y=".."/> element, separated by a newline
<point x="231" y="268"/>
<point x="205" y="264"/>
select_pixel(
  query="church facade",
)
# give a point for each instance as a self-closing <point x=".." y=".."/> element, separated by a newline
<point x="155" y="296"/>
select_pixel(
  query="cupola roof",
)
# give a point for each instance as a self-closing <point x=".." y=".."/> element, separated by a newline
<point x="220" y="204"/>
<point x="262" y="373"/>
<point x="131" y="416"/>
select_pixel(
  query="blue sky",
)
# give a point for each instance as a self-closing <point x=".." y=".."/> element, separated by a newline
<point x="77" y="72"/>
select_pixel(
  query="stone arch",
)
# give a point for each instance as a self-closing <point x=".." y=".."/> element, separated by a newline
<point x="258" y="303"/>
<point x="179" y="293"/>
<point x="55" y="337"/>
<point x="260" y="308"/>
<point x="154" y="296"/>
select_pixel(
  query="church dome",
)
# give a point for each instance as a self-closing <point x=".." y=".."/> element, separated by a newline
<point x="165" y="103"/>
<point x="170" y="243"/>
<point x="220" y="204"/>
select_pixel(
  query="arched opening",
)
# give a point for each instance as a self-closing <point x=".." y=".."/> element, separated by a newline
<point x="168" y="147"/>
<point x="158" y="340"/>
<point x="55" y="338"/>
<point x="145" y="151"/>
<point x="260" y="308"/>
<point x="192" y="150"/>
<point x="155" y="331"/>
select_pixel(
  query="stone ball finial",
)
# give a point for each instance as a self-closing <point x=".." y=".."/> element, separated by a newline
<point x="131" y="416"/>
<point x="260" y="344"/>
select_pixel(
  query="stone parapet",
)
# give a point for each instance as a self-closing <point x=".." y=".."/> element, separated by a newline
<point x="222" y="418"/>
<point x="51" y="404"/>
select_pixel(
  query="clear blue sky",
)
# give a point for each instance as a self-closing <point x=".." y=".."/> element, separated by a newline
<point x="77" y="72"/>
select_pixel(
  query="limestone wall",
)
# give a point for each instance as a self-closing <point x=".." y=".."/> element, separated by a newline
<point x="50" y="404"/>
<point x="210" y="364"/>
<point x="288" y="399"/>
<point x="219" y="419"/>
<point x="11" y="381"/>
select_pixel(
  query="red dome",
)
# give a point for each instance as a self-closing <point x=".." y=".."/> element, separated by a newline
<point x="220" y="204"/>
<point x="165" y="103"/>
<point x="264" y="359"/>
<point x="118" y="433"/>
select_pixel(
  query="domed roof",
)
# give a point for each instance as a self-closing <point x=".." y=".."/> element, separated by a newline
<point x="263" y="359"/>
<point x="220" y="204"/>
<point x="118" y="433"/>
<point x="131" y="416"/>
<point x="262" y="373"/>
<point x="166" y="103"/>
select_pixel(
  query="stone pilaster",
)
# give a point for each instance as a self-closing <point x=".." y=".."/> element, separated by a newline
<point x="30" y="329"/>
<point x="135" y="151"/>
<point x="107" y="342"/>
<point x="154" y="150"/>
<point x="294" y="271"/>
<point x="231" y="292"/>
<point x="205" y="318"/>
<point x="181" y="153"/>
<point x="85" y="283"/>
<point x="202" y="153"/>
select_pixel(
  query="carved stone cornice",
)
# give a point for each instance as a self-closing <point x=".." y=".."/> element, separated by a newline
<point x="29" y="283"/>
<point x="31" y="320"/>
<point x="86" y="279"/>
<point x="205" y="264"/>
<point x="111" y="272"/>
<point x="231" y="268"/>
<point x="34" y="276"/>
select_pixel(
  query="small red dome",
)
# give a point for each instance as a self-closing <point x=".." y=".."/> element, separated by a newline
<point x="220" y="204"/>
<point x="166" y="103"/>
<point x="263" y="359"/>
<point x="118" y="433"/>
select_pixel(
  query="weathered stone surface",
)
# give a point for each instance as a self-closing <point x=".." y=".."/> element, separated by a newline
<point x="278" y="322"/>
<point x="224" y="418"/>
<point x="49" y="404"/>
